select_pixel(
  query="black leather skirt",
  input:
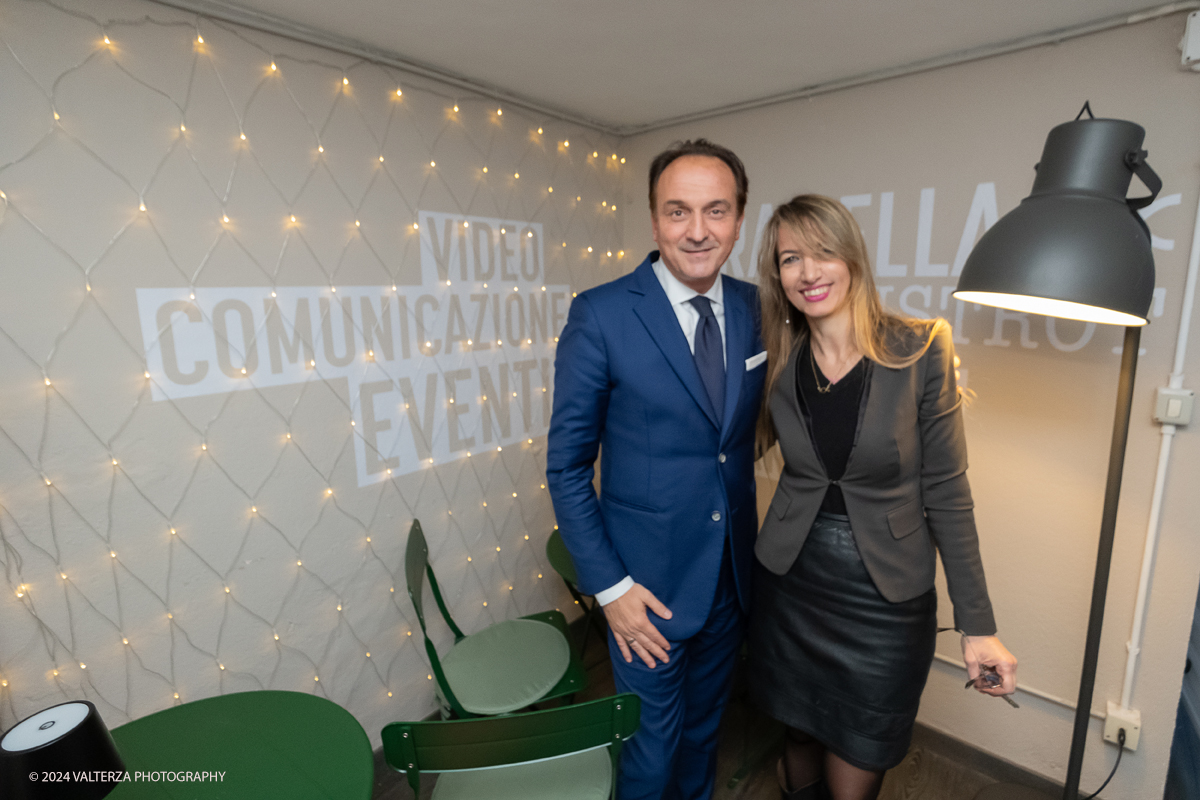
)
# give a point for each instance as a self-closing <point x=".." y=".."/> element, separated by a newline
<point x="831" y="657"/>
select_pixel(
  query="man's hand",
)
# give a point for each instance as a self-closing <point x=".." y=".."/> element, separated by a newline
<point x="632" y="628"/>
<point x="981" y="651"/>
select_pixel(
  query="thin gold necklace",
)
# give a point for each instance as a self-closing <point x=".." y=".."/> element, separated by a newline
<point x="816" y="375"/>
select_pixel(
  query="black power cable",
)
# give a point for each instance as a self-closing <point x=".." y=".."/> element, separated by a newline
<point x="1120" y="750"/>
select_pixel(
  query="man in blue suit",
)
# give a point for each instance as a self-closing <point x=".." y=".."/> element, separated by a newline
<point x="661" y="372"/>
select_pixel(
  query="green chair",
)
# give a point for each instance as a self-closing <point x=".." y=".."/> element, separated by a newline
<point x="564" y="565"/>
<point x="557" y="754"/>
<point x="505" y="667"/>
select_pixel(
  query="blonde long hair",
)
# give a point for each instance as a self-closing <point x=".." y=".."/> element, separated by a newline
<point x="823" y="225"/>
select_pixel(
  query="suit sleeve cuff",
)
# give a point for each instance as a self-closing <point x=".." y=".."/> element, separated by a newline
<point x="615" y="591"/>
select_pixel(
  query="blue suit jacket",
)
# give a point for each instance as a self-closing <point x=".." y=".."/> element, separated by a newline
<point x="676" y="482"/>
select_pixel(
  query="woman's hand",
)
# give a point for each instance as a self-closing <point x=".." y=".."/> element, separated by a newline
<point x="988" y="651"/>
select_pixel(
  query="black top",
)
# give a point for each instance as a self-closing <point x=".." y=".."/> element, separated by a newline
<point x="832" y="419"/>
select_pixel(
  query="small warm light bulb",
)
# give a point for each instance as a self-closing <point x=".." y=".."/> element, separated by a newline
<point x="320" y="148"/>
<point x="224" y="218"/>
<point x="82" y="665"/>
<point x="276" y="637"/>
<point x="114" y="462"/>
<point x="566" y="143"/>
<point x="199" y="40"/>
<point x="549" y="189"/>
<point x="485" y="603"/>
<point x="622" y="161"/>
<point x="345" y="81"/>
<point x="56" y="116"/>
<point x="539" y="130"/>
<point x="289" y="436"/>
<point x="142" y="206"/>
<point x="357" y="224"/>
<point x="146" y="374"/>
<point x="609" y="254"/>
<point x="595" y="154"/>
<point x="604" y="203"/>
<point x="499" y="112"/>
<point x="107" y="40"/>
<point x="253" y="509"/>
<point x="368" y="655"/>
<point x="316" y="677"/>
<point x="399" y="93"/>
<point x="293" y="217"/>
<point x="170" y="615"/>
<point x="172" y="531"/>
<point x="339" y="606"/>
<point x="299" y="563"/>
<point x="485" y="170"/>
<point x="389" y="694"/>
<point x="432" y="164"/>
<point x="273" y="293"/>
<point x="589" y="249"/>
<point x="466" y="224"/>
<point x="112" y="554"/>
<point x="124" y="640"/>
<point x="620" y="254"/>
<point x="516" y="174"/>
<point x="380" y="159"/>
<point x="243" y="370"/>
<point x="226" y="590"/>
<point x="328" y="492"/>
<point x="182" y="127"/>
<point x="243" y="136"/>
<point x="176" y="695"/>
<point x="273" y="67"/>
<point x="415" y="226"/>
<point x="456" y="108"/>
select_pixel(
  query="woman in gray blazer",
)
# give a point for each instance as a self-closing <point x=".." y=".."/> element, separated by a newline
<point x="867" y="414"/>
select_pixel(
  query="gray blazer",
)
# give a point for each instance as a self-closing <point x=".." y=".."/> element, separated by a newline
<point x="905" y="484"/>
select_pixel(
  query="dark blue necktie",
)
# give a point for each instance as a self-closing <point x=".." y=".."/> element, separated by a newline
<point x="709" y="354"/>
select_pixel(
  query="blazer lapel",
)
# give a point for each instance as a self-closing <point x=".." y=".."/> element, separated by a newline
<point x="655" y="312"/>
<point x="800" y="422"/>
<point x="737" y="323"/>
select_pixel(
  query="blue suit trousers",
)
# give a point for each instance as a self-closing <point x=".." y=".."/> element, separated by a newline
<point x="673" y="756"/>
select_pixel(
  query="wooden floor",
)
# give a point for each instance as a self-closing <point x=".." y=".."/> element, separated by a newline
<point x="750" y="746"/>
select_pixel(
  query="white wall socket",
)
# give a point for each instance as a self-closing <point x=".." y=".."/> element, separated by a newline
<point x="1126" y="718"/>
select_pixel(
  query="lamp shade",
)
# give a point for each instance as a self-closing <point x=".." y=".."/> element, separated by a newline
<point x="1076" y="247"/>
<point x="60" y="753"/>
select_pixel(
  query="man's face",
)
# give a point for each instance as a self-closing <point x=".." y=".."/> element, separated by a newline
<point x="695" y="219"/>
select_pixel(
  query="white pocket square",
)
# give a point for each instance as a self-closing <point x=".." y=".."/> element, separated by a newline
<point x="754" y="361"/>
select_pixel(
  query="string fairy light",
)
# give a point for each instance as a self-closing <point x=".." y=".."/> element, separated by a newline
<point x="222" y="445"/>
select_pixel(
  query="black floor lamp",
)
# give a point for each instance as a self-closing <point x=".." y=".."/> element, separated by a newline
<point x="1077" y="249"/>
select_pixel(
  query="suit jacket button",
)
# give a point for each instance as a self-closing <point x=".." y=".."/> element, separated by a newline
<point x="721" y="458"/>
<point x="716" y="516"/>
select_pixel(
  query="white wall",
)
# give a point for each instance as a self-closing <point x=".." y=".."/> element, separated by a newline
<point x="1039" y="431"/>
<point x="199" y="520"/>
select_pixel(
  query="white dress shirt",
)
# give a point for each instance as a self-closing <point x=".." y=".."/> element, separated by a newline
<point x="679" y="295"/>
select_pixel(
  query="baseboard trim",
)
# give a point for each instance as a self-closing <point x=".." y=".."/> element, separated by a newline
<point x="995" y="767"/>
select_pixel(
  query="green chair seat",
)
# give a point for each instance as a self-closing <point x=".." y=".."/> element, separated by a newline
<point x="506" y="667"/>
<point x="586" y="775"/>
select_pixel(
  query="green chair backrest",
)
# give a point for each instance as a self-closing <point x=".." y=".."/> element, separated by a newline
<point x="438" y="746"/>
<point x="560" y="558"/>
<point x="416" y="569"/>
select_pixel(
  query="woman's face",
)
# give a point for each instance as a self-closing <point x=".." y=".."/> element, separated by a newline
<point x="818" y="284"/>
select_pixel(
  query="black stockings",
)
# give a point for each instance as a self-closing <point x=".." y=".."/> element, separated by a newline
<point x="806" y="761"/>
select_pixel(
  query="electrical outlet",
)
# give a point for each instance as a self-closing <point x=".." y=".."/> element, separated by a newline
<point x="1126" y="718"/>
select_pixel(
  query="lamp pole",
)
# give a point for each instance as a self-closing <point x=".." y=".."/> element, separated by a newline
<point x="1108" y="527"/>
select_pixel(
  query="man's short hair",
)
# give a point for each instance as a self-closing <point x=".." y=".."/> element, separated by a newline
<point x="699" y="147"/>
